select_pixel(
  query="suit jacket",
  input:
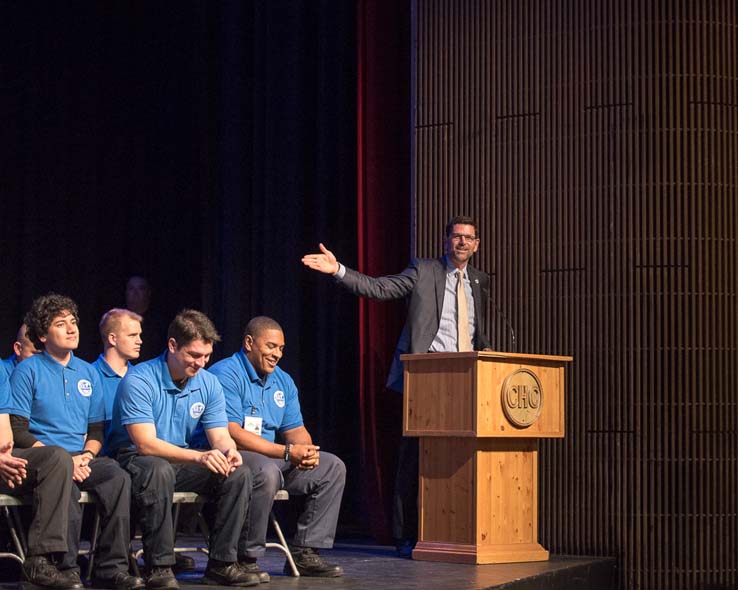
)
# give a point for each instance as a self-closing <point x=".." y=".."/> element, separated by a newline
<point x="424" y="283"/>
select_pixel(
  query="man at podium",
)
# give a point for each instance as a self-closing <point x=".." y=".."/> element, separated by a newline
<point x="447" y="301"/>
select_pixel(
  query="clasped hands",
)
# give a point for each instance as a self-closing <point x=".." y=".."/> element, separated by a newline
<point x="222" y="462"/>
<point x="305" y="457"/>
<point x="12" y="469"/>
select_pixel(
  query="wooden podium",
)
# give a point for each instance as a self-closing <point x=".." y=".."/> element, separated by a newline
<point x="478" y="416"/>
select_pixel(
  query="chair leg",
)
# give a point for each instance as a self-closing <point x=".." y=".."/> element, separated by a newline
<point x="93" y="541"/>
<point x="15" y="530"/>
<point x="282" y="545"/>
<point x="204" y="528"/>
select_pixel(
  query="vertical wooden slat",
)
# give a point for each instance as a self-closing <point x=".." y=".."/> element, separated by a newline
<point x="597" y="143"/>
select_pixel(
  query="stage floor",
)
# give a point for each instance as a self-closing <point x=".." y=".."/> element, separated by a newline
<point x="372" y="567"/>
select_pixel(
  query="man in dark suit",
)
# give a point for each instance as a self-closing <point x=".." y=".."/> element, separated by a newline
<point x="442" y="317"/>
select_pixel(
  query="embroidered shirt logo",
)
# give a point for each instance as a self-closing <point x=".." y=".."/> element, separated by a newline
<point x="84" y="387"/>
<point x="279" y="398"/>
<point x="196" y="410"/>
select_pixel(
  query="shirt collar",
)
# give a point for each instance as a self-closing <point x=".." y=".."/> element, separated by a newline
<point x="250" y="371"/>
<point x="105" y="367"/>
<point x="51" y="362"/>
<point x="451" y="268"/>
<point x="166" y="378"/>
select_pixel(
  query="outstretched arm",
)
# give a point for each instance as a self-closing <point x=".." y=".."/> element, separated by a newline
<point x="324" y="262"/>
<point x="382" y="288"/>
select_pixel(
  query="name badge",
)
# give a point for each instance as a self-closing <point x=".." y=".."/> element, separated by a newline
<point x="252" y="424"/>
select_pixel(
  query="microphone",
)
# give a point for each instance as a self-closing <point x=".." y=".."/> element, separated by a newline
<point x="502" y="314"/>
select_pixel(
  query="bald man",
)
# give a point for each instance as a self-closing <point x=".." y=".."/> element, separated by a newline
<point x="22" y="349"/>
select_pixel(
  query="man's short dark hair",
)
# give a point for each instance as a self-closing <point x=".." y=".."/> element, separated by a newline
<point x="260" y="324"/>
<point x="190" y="325"/>
<point x="461" y="220"/>
<point x="43" y="311"/>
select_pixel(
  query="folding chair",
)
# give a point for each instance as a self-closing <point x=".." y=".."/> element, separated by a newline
<point x="17" y="533"/>
<point x="180" y="498"/>
<point x="280" y="496"/>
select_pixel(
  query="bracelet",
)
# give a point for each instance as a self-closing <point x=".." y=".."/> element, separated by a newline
<point x="90" y="452"/>
<point x="287" y="449"/>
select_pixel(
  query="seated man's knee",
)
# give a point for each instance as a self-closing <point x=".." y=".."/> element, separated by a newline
<point x="270" y="478"/>
<point x="242" y="476"/>
<point x="335" y="466"/>
<point x="152" y="473"/>
<point x="58" y="458"/>
<point x="266" y="473"/>
<point x="121" y="478"/>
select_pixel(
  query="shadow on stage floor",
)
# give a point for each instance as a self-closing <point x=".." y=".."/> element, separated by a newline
<point x="376" y="567"/>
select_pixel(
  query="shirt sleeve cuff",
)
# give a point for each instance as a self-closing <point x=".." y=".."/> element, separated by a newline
<point x="340" y="273"/>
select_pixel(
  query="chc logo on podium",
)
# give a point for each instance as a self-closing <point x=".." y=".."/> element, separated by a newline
<point x="522" y="398"/>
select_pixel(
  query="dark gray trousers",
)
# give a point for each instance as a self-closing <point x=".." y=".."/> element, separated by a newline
<point x="323" y="486"/>
<point x="405" y="496"/>
<point x="154" y="480"/>
<point x="112" y="486"/>
<point x="49" y="480"/>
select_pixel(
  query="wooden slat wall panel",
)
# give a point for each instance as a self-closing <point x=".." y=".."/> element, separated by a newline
<point x="597" y="145"/>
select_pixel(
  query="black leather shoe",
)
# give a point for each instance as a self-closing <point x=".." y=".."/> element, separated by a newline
<point x="310" y="563"/>
<point x="405" y="548"/>
<point x="161" y="578"/>
<point x="120" y="581"/>
<point x="183" y="563"/>
<point x="248" y="564"/>
<point x="40" y="572"/>
<point x="71" y="576"/>
<point x="220" y="573"/>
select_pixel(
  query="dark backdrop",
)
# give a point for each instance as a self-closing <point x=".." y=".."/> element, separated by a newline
<point x="204" y="145"/>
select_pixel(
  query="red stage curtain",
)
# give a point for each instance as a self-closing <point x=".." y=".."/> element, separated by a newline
<point x="384" y="233"/>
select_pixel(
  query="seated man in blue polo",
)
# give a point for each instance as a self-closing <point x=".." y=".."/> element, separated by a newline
<point x="120" y="331"/>
<point x="56" y="401"/>
<point x="22" y="349"/>
<point x="45" y="473"/>
<point x="158" y="406"/>
<point x="262" y="402"/>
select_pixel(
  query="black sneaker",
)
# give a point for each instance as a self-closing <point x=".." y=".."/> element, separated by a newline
<point x="222" y="573"/>
<point x="248" y="564"/>
<point x="310" y="563"/>
<point x="40" y="572"/>
<point x="120" y="581"/>
<point x="161" y="578"/>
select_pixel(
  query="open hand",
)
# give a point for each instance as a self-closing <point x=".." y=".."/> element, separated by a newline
<point x="325" y="262"/>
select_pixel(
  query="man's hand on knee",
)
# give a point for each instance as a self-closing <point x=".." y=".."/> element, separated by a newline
<point x="216" y="461"/>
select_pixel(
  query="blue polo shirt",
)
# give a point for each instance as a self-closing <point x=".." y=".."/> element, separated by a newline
<point x="108" y="381"/>
<point x="147" y="395"/>
<point x="59" y="401"/>
<point x="5" y="400"/>
<point x="274" y="400"/>
<point x="9" y="364"/>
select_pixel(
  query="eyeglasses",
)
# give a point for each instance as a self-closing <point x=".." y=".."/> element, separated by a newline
<point x="467" y="237"/>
